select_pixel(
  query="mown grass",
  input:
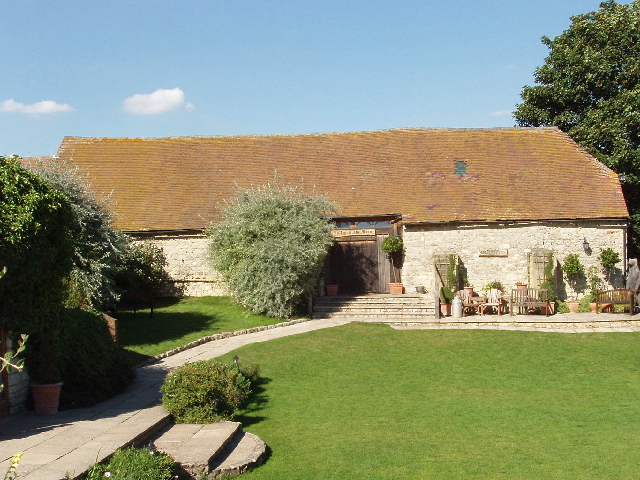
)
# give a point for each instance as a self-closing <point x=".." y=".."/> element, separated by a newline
<point x="364" y="401"/>
<point x="176" y="322"/>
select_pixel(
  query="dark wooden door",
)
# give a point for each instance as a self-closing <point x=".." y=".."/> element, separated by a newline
<point x="354" y="266"/>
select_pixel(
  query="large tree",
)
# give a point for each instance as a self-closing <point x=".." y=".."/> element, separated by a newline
<point x="271" y="246"/>
<point x="589" y="86"/>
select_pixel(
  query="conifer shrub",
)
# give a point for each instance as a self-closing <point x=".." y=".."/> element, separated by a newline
<point x="207" y="391"/>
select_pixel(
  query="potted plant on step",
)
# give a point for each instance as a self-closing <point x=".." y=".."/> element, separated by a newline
<point x="394" y="247"/>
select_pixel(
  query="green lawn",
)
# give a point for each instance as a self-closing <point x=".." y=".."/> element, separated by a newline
<point x="176" y="322"/>
<point x="364" y="401"/>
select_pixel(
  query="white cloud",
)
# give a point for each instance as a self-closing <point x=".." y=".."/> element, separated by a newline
<point x="160" y="101"/>
<point x="501" y="113"/>
<point x="46" y="106"/>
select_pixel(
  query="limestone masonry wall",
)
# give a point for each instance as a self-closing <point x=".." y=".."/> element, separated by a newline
<point x="501" y="251"/>
<point x="188" y="266"/>
<point x="496" y="251"/>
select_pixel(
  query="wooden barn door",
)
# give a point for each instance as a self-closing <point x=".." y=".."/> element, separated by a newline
<point x="355" y="266"/>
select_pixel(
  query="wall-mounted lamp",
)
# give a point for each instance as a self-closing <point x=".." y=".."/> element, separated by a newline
<point x="586" y="246"/>
<point x="622" y="178"/>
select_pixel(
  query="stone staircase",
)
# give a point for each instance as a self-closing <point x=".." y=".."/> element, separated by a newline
<point x="379" y="308"/>
<point x="211" y="451"/>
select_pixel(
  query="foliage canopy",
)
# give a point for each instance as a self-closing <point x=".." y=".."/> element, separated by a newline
<point x="589" y="87"/>
<point x="36" y="247"/>
<point x="270" y="247"/>
<point x="96" y="244"/>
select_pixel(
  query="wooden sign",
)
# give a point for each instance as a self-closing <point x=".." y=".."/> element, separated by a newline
<point x="353" y="232"/>
<point x="494" y="253"/>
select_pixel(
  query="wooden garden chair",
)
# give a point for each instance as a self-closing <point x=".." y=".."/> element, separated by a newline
<point x="494" y="300"/>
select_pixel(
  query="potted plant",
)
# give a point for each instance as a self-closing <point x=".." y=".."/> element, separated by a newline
<point x="495" y="284"/>
<point x="574" y="272"/>
<point x="47" y="381"/>
<point x="549" y="284"/>
<point x="447" y="291"/>
<point x="393" y="247"/>
<point x="446" y="297"/>
<point x="595" y="287"/>
<point x="608" y="259"/>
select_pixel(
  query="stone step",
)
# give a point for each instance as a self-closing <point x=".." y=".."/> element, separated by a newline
<point x="244" y="452"/>
<point x="211" y="451"/>
<point x="373" y="309"/>
<point x="384" y="318"/>
<point x="377" y="308"/>
<point x="382" y="298"/>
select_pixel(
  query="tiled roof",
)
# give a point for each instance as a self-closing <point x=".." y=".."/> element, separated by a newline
<point x="427" y="175"/>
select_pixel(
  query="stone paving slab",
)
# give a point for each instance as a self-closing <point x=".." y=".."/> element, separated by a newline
<point x="194" y="446"/>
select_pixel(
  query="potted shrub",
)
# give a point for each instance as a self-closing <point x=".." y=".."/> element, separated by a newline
<point x="446" y="297"/>
<point x="393" y="247"/>
<point x="495" y="284"/>
<point x="47" y="381"/>
<point x="549" y="284"/>
<point x="447" y="292"/>
<point x="608" y="259"/>
<point x="595" y="287"/>
<point x="574" y="272"/>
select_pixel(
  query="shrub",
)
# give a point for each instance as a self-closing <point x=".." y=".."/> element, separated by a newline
<point x="93" y="367"/>
<point x="572" y="266"/>
<point x="135" y="464"/>
<point x="96" y="243"/>
<point x="271" y="246"/>
<point x="495" y="284"/>
<point x="392" y="244"/>
<point x="205" y="392"/>
<point x="36" y="246"/>
<point x="140" y="271"/>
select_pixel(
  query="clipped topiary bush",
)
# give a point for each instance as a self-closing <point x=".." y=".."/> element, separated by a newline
<point x="206" y="392"/>
<point x="93" y="367"/>
<point x="135" y="464"/>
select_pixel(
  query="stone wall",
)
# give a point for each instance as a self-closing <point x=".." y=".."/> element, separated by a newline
<point x="500" y="251"/>
<point x="18" y="385"/>
<point x="188" y="266"/>
<point x="489" y="252"/>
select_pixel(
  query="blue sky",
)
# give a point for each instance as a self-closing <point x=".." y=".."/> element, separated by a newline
<point x="153" y="68"/>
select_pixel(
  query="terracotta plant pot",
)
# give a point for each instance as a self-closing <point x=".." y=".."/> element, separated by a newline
<point x="46" y="397"/>
<point x="594" y="307"/>
<point x="521" y="286"/>
<point x="445" y="309"/>
<point x="552" y="309"/>
<point x="573" y="306"/>
<point x="331" y="289"/>
<point x="396" y="288"/>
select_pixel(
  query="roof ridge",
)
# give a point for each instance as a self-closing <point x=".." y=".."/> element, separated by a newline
<point x="321" y="134"/>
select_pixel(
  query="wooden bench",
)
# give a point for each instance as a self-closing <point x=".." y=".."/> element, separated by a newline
<point x="615" y="297"/>
<point x="529" y="298"/>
